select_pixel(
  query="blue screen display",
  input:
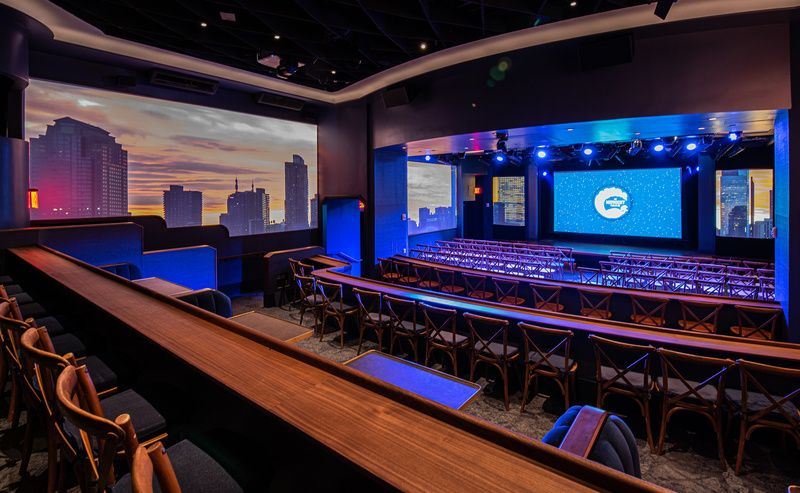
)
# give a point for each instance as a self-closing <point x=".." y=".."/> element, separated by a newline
<point x="633" y="202"/>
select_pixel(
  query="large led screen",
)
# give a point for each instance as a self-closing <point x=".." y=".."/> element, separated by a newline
<point x="431" y="197"/>
<point x="96" y="153"/>
<point x="745" y="203"/>
<point x="633" y="202"/>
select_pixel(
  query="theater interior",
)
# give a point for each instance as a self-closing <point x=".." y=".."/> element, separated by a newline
<point x="383" y="245"/>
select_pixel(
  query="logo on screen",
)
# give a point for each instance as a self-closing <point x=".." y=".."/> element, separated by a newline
<point x="612" y="202"/>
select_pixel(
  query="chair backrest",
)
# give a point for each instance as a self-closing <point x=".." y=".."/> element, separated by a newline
<point x="306" y="285"/>
<point x="505" y="288"/>
<point x="687" y="375"/>
<point x="331" y="294"/>
<point x="770" y="394"/>
<point x="153" y="461"/>
<point x="545" y="294"/>
<point x="211" y="300"/>
<point x="755" y="321"/>
<point x="700" y="315"/>
<point x="387" y="269"/>
<point x="649" y="310"/>
<point x="440" y="323"/>
<point x="589" y="276"/>
<point x="100" y="437"/>
<point x="446" y="277"/>
<point x="474" y="282"/>
<point x="486" y="333"/>
<point x="400" y="310"/>
<point x="370" y="306"/>
<point x="594" y="301"/>
<point x="623" y="359"/>
<point x="710" y="285"/>
<point x="542" y="343"/>
<point x="423" y="273"/>
<point x="11" y="329"/>
<point x="743" y="286"/>
<point x="295" y="267"/>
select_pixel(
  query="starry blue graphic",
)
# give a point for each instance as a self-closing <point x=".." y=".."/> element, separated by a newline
<point x="654" y="202"/>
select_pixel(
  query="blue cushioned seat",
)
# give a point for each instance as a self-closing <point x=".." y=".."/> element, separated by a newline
<point x="195" y="470"/>
<point x="124" y="269"/>
<point x="69" y="343"/>
<point x="102" y="376"/>
<point x="210" y="300"/>
<point x="615" y="446"/>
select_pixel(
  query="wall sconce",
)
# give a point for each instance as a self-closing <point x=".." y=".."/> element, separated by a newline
<point x="478" y="190"/>
<point x="362" y="206"/>
<point x="33" y="198"/>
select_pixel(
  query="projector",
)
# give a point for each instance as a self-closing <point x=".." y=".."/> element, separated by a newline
<point x="268" y="59"/>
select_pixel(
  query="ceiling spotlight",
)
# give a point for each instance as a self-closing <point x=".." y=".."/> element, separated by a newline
<point x="573" y="4"/>
<point x="588" y="151"/>
<point x="277" y="36"/>
<point x="659" y="147"/>
<point x="691" y="146"/>
<point x="427" y="157"/>
<point x="333" y="72"/>
<point x="734" y="136"/>
<point x="203" y="24"/>
<point x="570" y="129"/>
<point x="499" y="157"/>
<point x="635" y="148"/>
<point x="697" y="168"/>
<point x="541" y="154"/>
<point x="544" y="173"/>
<point x="423" y="46"/>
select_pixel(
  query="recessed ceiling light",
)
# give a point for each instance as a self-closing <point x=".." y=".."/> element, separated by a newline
<point x="472" y="138"/>
<point x="423" y="46"/>
<point x="573" y="4"/>
<point x="638" y="133"/>
<point x="713" y="118"/>
<point x="570" y="129"/>
<point x="701" y="128"/>
<point x="277" y="36"/>
<point x="333" y="72"/>
<point x="203" y="24"/>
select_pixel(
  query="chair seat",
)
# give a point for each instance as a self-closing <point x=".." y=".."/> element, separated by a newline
<point x="453" y="289"/>
<point x="554" y="359"/>
<point x="195" y="470"/>
<point x="648" y="320"/>
<point x="409" y="327"/>
<point x="6" y="280"/>
<point x="102" y="376"/>
<point x="635" y="378"/>
<point x="596" y="313"/>
<point x="750" y="333"/>
<point x="13" y="289"/>
<point x="677" y="387"/>
<point x="428" y="284"/>
<point x="313" y="299"/>
<point x="705" y="327"/>
<point x="409" y="280"/>
<point x="481" y="295"/>
<point x="32" y="310"/>
<point x="391" y="276"/>
<point x="512" y="300"/>
<point x="55" y="326"/>
<point x="147" y="421"/>
<point x="69" y="343"/>
<point x="550" y="307"/>
<point x="495" y="349"/>
<point x="757" y="401"/>
<point x="448" y="338"/>
<point x="343" y="308"/>
<point x="22" y="297"/>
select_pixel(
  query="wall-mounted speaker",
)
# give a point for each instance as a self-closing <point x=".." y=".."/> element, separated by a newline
<point x="184" y="82"/>
<point x="606" y="51"/>
<point x="279" y="101"/>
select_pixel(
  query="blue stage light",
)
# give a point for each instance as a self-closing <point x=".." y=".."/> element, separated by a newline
<point x="691" y="146"/>
<point x="541" y="154"/>
<point x="427" y="157"/>
<point x="658" y="147"/>
<point x="697" y="168"/>
<point x="588" y="151"/>
<point x="499" y="158"/>
<point x="544" y="173"/>
<point x="733" y="136"/>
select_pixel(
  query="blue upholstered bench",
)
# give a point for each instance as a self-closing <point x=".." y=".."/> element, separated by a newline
<point x="210" y="300"/>
<point x="124" y="269"/>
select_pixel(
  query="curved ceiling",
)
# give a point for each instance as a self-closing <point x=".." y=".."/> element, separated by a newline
<point x="68" y="28"/>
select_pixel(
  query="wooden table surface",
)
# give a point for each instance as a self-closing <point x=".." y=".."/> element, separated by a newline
<point x="395" y="436"/>
<point x="162" y="286"/>
<point x="275" y="327"/>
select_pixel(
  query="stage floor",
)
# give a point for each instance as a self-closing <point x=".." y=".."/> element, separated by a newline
<point x="582" y="248"/>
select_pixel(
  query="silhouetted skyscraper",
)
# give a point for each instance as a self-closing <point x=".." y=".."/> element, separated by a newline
<point x="737" y="221"/>
<point x="182" y="207"/>
<point x="733" y="192"/>
<point x="80" y="171"/>
<point x="314" y="211"/>
<point x="248" y="212"/>
<point x="296" y="203"/>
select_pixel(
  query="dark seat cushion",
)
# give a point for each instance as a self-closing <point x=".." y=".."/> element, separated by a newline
<point x="210" y="300"/>
<point x="102" y="376"/>
<point x="12" y="289"/>
<point x="615" y="446"/>
<point x="495" y="348"/>
<point x="32" y="310"/>
<point x="124" y="269"/>
<point x="56" y="326"/>
<point x="195" y="470"/>
<point x="22" y="297"/>
<point x="445" y="337"/>
<point x="635" y="378"/>
<point x="6" y="280"/>
<point x="69" y="343"/>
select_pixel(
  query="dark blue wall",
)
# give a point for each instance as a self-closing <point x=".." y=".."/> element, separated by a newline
<point x="391" y="201"/>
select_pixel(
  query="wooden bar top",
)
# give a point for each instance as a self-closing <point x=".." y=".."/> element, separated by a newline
<point x="728" y="345"/>
<point x="162" y="286"/>
<point x="400" y="439"/>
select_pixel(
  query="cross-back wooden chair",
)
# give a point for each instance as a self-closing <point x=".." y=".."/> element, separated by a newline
<point x="408" y="275"/>
<point x="388" y="270"/>
<point x="767" y="286"/>
<point x="548" y="353"/>
<point x="769" y="398"/>
<point x="333" y="306"/>
<point x="11" y="328"/>
<point x="447" y="281"/>
<point x="546" y="297"/>
<point x="699" y="316"/>
<point x="612" y="274"/>
<point x="649" y="310"/>
<point x="370" y="315"/>
<point x="675" y="284"/>
<point x="507" y="292"/>
<point x="692" y="383"/>
<point x="475" y="285"/>
<point x="489" y="341"/>
<point x="710" y="284"/>
<point x="308" y="298"/>
<point x="587" y="275"/>
<point x="425" y="276"/>
<point x="756" y="322"/>
<point x="441" y="334"/>
<point x="743" y="287"/>
<point x="595" y="303"/>
<point x="403" y="326"/>
<point x="624" y="369"/>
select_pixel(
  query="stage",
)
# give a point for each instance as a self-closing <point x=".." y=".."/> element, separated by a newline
<point x="603" y="249"/>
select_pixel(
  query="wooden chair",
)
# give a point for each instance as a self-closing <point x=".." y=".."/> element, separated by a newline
<point x="370" y="316"/>
<point x="587" y="275"/>
<point x="746" y="287"/>
<point x="441" y="334"/>
<point x="594" y="303"/>
<point x="507" y="292"/>
<point x="699" y="316"/>
<point x="649" y="310"/>
<point x="403" y="326"/>
<point x="546" y="297"/>
<point x="548" y="353"/>
<point x="407" y="272"/>
<point x="334" y="307"/>
<point x="447" y="281"/>
<point x="710" y="285"/>
<point x="624" y="369"/>
<point x="308" y="298"/>
<point x="425" y="277"/>
<point x="489" y="342"/>
<point x="388" y="270"/>
<point x="768" y="399"/>
<point x="756" y="322"/>
<point x="691" y="383"/>
<point x="476" y="286"/>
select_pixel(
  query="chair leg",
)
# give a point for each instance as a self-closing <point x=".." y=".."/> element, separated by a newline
<point x="54" y="469"/>
<point x="472" y="364"/>
<point x="567" y="383"/>
<point x="525" y="391"/>
<point x="740" y="451"/>
<point x="454" y="357"/>
<point x="14" y="405"/>
<point x="322" y="326"/>
<point x="504" y="376"/>
<point x="720" y="443"/>
<point x="360" y="337"/>
<point x="662" y="431"/>
<point x="27" y="445"/>
<point x="340" y="321"/>
<point x="648" y="430"/>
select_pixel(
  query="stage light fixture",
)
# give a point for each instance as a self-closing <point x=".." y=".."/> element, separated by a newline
<point x="499" y="157"/>
<point x="691" y="146"/>
<point x="427" y="157"/>
<point x="203" y="24"/>
<point x="697" y="168"/>
<point x="734" y="136"/>
<point x="541" y="154"/>
<point x="635" y="148"/>
<point x="659" y="147"/>
<point x="588" y="151"/>
<point x="544" y="173"/>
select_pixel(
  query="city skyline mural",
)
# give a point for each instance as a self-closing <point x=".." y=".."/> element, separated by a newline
<point x="745" y="203"/>
<point x="96" y="152"/>
<point x="431" y="197"/>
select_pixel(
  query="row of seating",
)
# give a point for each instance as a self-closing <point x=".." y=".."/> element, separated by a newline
<point x="698" y="316"/>
<point x="91" y="423"/>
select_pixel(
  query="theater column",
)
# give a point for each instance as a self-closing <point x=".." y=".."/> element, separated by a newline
<point x="13" y="148"/>
<point x="391" y="201"/>
<point x="706" y="205"/>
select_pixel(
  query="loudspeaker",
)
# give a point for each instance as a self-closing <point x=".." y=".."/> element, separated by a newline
<point x="606" y="51"/>
<point x="397" y="96"/>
